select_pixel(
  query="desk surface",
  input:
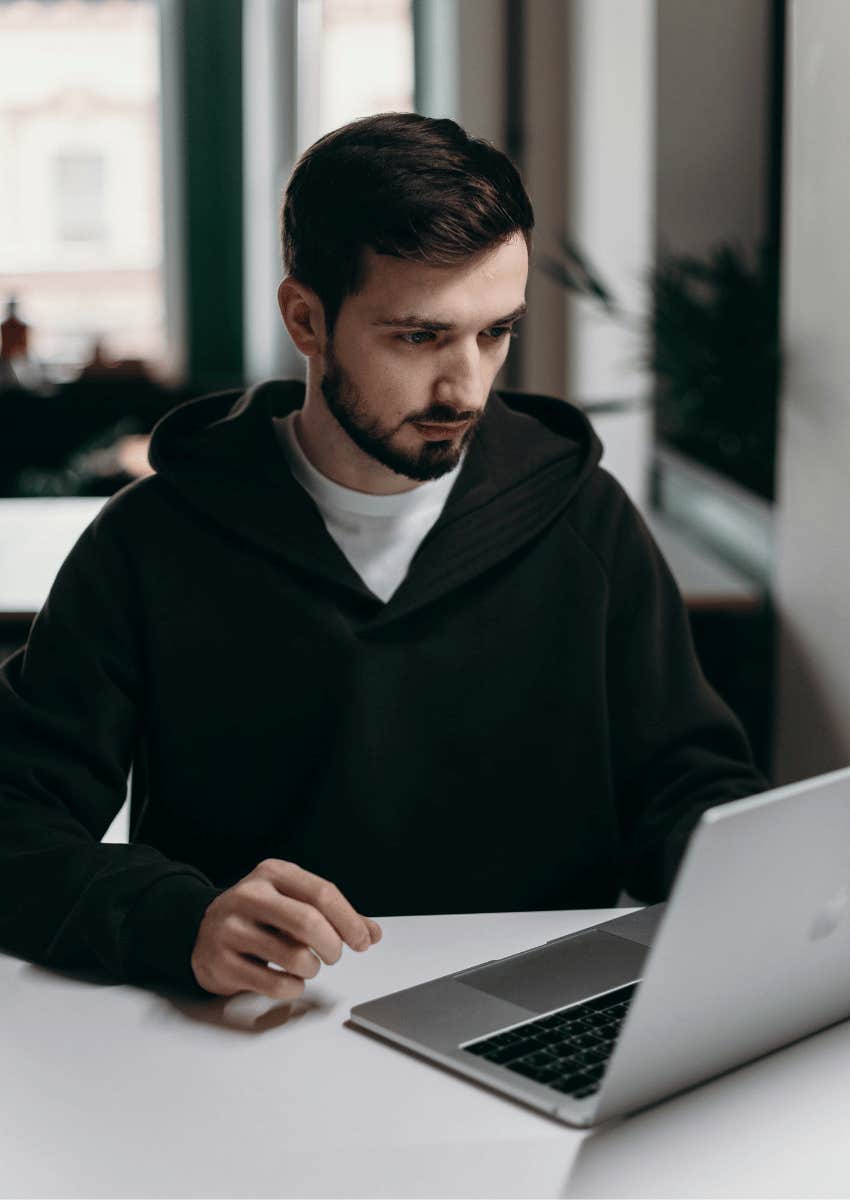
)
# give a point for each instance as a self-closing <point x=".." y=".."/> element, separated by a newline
<point x="36" y="535"/>
<point x="112" y="1090"/>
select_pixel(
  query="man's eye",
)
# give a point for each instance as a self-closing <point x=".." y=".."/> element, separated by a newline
<point x="419" y="337"/>
<point x="419" y="333"/>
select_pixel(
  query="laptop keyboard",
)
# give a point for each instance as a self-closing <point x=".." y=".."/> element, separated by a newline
<point x="568" y="1050"/>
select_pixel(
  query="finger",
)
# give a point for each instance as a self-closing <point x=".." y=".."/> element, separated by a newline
<point x="253" y="977"/>
<point x="271" y="946"/>
<point x="375" y="931"/>
<point x="295" y="919"/>
<point x="293" y="881"/>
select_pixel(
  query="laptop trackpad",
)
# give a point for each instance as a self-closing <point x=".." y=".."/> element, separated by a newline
<point x="561" y="973"/>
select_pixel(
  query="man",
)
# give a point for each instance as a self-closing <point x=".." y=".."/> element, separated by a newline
<point x="392" y="642"/>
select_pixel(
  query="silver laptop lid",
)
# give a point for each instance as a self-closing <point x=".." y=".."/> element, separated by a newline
<point x="753" y="950"/>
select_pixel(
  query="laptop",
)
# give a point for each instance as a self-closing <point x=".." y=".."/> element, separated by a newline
<point x="750" y="952"/>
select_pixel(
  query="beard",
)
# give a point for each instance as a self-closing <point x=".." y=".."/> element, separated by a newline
<point x="430" y="460"/>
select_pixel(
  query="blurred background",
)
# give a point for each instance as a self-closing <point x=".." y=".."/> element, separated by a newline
<point x="687" y="160"/>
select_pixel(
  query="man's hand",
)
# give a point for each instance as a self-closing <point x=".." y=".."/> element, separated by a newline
<point x="281" y="914"/>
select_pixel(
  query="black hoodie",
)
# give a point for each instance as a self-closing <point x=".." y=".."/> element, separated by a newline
<point x="523" y="725"/>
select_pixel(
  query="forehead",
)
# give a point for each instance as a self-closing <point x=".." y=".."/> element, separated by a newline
<point x="495" y="277"/>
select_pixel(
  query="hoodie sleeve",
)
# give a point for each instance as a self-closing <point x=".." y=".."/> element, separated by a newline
<point x="70" y="706"/>
<point x="677" y="748"/>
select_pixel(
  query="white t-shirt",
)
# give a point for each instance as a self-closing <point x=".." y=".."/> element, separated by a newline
<point x="379" y="535"/>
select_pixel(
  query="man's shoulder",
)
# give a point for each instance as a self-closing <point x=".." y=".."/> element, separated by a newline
<point x="130" y="518"/>
<point x="136" y="501"/>
<point x="606" y="518"/>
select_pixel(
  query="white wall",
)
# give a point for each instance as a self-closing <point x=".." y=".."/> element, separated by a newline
<point x="812" y="732"/>
<point x="545" y="331"/>
<point x="712" y="101"/>
<point x="478" y="60"/>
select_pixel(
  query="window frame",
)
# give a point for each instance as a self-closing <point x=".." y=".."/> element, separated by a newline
<point x="203" y="255"/>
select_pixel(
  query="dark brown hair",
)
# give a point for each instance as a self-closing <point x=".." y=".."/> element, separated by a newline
<point x="411" y="186"/>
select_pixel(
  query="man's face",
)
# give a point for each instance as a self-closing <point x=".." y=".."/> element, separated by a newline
<point x="421" y="343"/>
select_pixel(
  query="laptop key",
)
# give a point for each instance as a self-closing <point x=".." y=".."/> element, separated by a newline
<point x="524" y="1067"/>
<point x="540" y="1058"/>
<point x="568" y="1061"/>
<point x="503" y="1039"/>
<point x="570" y="1083"/>
<point x="584" y="1039"/>
<point x="605" y="1037"/>
<point x="591" y="1057"/>
<point x="506" y="1054"/>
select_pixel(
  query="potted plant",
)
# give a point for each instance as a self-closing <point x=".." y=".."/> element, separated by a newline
<point x="711" y="340"/>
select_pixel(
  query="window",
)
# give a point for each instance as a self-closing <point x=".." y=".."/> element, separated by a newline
<point x="367" y="59"/>
<point x="355" y="57"/>
<point x="80" y="189"/>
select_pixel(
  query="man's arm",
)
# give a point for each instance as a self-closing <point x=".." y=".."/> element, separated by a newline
<point x="70" y="704"/>
<point x="677" y="748"/>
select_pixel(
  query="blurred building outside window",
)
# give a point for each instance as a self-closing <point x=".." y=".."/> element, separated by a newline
<point x="81" y="186"/>
<point x="79" y="196"/>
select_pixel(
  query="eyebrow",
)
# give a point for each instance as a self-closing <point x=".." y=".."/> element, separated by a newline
<point x="415" y="320"/>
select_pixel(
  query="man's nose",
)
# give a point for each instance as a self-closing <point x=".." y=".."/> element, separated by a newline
<point x="461" y="377"/>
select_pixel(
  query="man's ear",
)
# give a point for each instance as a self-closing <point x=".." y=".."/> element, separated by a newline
<point x="303" y="315"/>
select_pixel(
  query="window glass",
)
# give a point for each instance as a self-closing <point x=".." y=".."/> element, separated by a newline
<point x="366" y="59"/>
<point x="80" y="188"/>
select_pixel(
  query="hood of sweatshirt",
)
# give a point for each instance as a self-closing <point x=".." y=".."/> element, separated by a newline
<point x="528" y="457"/>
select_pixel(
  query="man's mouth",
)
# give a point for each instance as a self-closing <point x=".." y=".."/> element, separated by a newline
<point x="441" y="426"/>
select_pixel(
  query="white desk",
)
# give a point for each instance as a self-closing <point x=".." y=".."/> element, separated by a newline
<point x="36" y="534"/>
<point x="121" y="1092"/>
